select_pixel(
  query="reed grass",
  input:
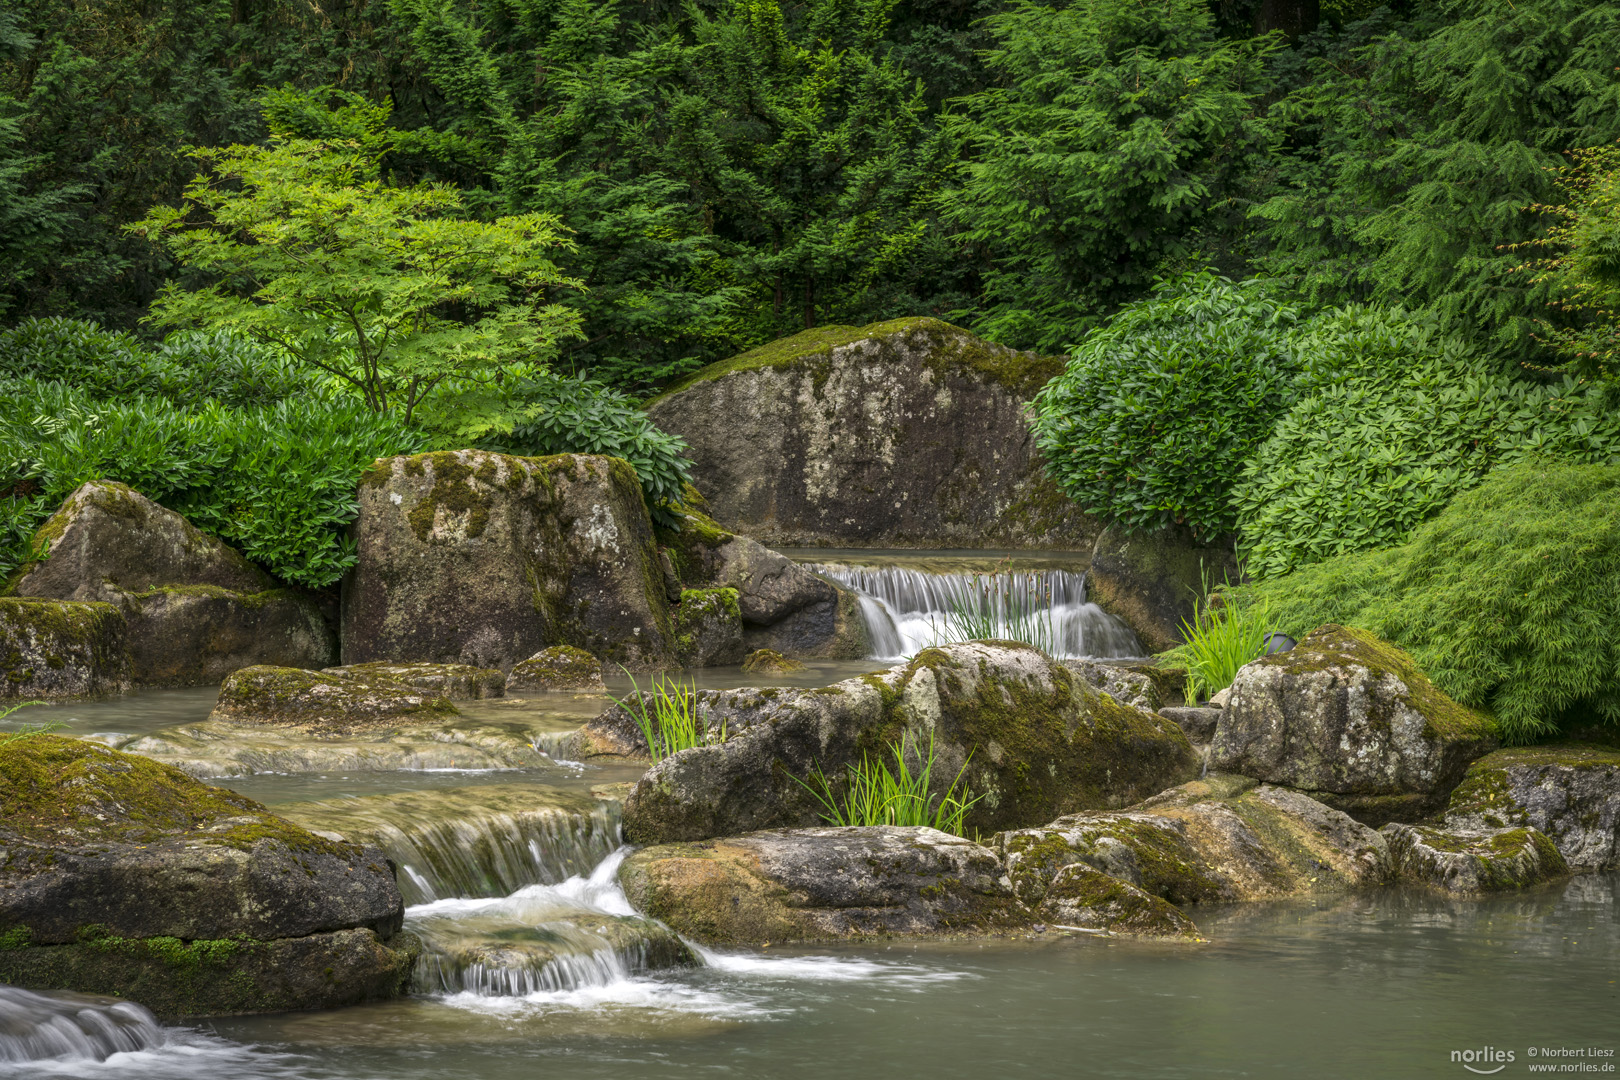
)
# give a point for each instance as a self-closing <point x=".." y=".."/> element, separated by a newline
<point x="675" y="721"/>
<point x="876" y="793"/>
<point x="1219" y="641"/>
<point x="990" y="606"/>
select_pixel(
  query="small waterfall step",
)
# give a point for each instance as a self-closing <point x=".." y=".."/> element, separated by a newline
<point x="486" y="840"/>
<point x="72" y="1027"/>
<point x="908" y="609"/>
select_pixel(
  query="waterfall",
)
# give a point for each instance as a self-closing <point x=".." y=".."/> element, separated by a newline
<point x="35" y="1027"/>
<point x="907" y="610"/>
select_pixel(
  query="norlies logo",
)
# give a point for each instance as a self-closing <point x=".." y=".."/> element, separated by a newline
<point x="1485" y="1057"/>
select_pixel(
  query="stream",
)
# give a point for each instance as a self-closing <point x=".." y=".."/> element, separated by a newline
<point x="536" y="964"/>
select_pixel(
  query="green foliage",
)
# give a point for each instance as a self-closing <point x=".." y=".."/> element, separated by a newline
<point x="999" y="605"/>
<point x="1114" y="131"/>
<point x="1395" y="418"/>
<point x="546" y="413"/>
<point x="1507" y="600"/>
<point x="1217" y="642"/>
<point x="877" y="793"/>
<point x="1155" y="414"/>
<point x="670" y="718"/>
<point x="386" y="289"/>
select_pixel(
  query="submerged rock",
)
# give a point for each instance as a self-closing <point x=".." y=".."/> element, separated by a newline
<point x="708" y="628"/>
<point x="1208" y="841"/>
<point x="827" y="883"/>
<point x="455" y="682"/>
<point x="485" y="559"/>
<point x="770" y="662"/>
<point x="1473" y="861"/>
<point x="1021" y="729"/>
<point x="561" y="667"/>
<point x="328" y="704"/>
<point x="1083" y="898"/>
<point x="197" y="609"/>
<point x="1570" y="792"/>
<point x="908" y="433"/>
<point x="124" y="876"/>
<point x="56" y="649"/>
<point x="1352" y="720"/>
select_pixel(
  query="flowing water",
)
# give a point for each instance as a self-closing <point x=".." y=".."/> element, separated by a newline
<point x="535" y="964"/>
<point x="911" y="603"/>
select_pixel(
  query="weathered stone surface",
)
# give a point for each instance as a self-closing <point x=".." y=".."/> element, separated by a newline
<point x="195" y="607"/>
<point x="1020" y="728"/>
<point x="331" y="704"/>
<point x="455" y="682"/>
<point x="1208" y="841"/>
<point x="708" y="628"/>
<point x="1570" y="792"/>
<point x="123" y="875"/>
<point x="1122" y="684"/>
<point x="1352" y="720"/>
<point x="827" y="630"/>
<point x="57" y="649"/>
<point x="561" y="667"/>
<point x="908" y="433"/>
<point x="483" y="559"/>
<point x="1472" y="861"/>
<point x="1198" y="724"/>
<point x="770" y="662"/>
<point x="1150" y="579"/>
<point x="1084" y="898"/>
<point x="770" y="586"/>
<point x="814" y="884"/>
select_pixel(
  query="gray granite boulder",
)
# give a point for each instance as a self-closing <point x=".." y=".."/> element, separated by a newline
<point x="1150" y="580"/>
<point x="1472" y="860"/>
<point x="1570" y="792"/>
<point x="561" y="667"/>
<point x="1350" y="719"/>
<point x="61" y="649"/>
<point x="708" y="628"/>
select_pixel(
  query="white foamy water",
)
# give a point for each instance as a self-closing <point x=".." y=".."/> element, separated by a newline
<point x="907" y="610"/>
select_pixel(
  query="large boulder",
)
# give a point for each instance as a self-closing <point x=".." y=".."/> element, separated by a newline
<point x="1569" y="792"/>
<point x="457" y="682"/>
<point x="196" y="608"/>
<point x="1025" y="733"/>
<point x="908" y="433"/>
<point x="1350" y="719"/>
<point x="1151" y="580"/>
<point x="124" y="876"/>
<point x="324" y="704"/>
<point x="1218" y="840"/>
<point x="60" y="649"/>
<point x="827" y="883"/>
<point x="484" y="559"/>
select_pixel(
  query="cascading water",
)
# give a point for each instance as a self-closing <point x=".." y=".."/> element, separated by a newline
<point x="907" y="610"/>
<point x="36" y="1027"/>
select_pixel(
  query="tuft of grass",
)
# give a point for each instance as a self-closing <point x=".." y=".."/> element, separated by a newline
<point x="1219" y="641"/>
<point x="998" y="605"/>
<point x="876" y="793"/>
<point x="670" y="718"/>
<point x="27" y="731"/>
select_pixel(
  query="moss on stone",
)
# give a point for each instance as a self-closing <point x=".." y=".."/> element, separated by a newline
<point x="770" y="662"/>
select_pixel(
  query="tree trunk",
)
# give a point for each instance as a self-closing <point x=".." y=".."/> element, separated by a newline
<point x="1295" y="18"/>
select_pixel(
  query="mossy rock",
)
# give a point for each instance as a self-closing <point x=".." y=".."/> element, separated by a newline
<point x="1473" y="861"/>
<point x="1570" y="792"/>
<point x="708" y="628"/>
<point x="770" y="662"/>
<point x="324" y="704"/>
<point x="819" y="884"/>
<point x="1151" y="579"/>
<point x="62" y="649"/>
<point x="561" y="667"/>
<point x="1352" y="720"/>
<point x="454" y="682"/>
<point x="1084" y="898"/>
<point x="907" y="433"/>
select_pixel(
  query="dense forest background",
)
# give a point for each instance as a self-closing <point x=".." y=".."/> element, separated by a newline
<point x="736" y="170"/>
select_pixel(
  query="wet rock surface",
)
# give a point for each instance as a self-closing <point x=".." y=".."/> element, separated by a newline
<point x="1083" y="898"/>
<point x="561" y="667"/>
<point x="455" y="682"/>
<point x="708" y="628"/>
<point x="58" y="649"/>
<point x="1352" y="720"/>
<point x="326" y="704"/>
<point x="1570" y="792"/>
<point x="1472" y="860"/>
<point x="1020" y="729"/>
<point x="770" y="662"/>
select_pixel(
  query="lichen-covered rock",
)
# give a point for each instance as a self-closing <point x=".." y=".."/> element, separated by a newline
<point x="1081" y="897"/>
<point x="455" y="682"/>
<point x="1020" y="729"/>
<point x="823" y="883"/>
<point x="1352" y="720"/>
<point x="123" y="875"/>
<point x="1472" y="861"/>
<point x="61" y="649"/>
<point x="1570" y="792"/>
<point x="478" y="558"/>
<point x="195" y="607"/>
<point x="1199" y="724"/>
<point x="770" y="662"/>
<point x="1150" y="580"/>
<point x="1122" y="684"/>
<point x="1218" y="840"/>
<point x="327" y="704"/>
<point x="561" y="667"/>
<point x="708" y="628"/>
<point x="908" y="433"/>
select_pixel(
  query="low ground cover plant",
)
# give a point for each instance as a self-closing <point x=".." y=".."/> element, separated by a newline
<point x="876" y="792"/>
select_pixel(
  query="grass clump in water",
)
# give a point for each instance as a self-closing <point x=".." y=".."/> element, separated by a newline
<point x="998" y="605"/>
<point x="669" y="716"/>
<point x="876" y="793"/>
